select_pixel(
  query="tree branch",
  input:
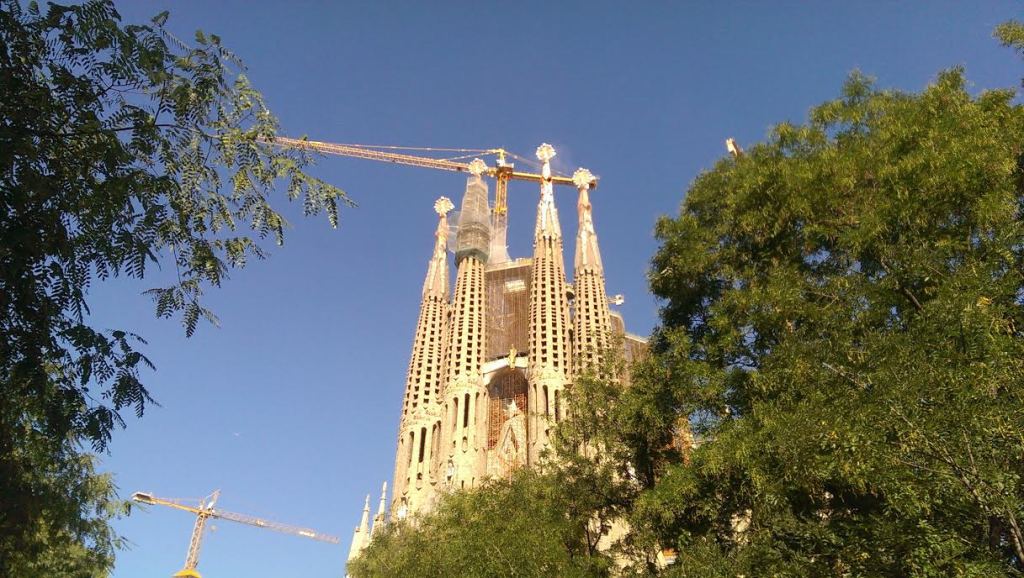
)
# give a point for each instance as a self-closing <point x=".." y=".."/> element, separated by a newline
<point x="101" y="130"/>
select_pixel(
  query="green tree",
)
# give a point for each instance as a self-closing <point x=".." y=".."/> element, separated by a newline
<point x="120" y="147"/>
<point x="521" y="526"/>
<point x="624" y="427"/>
<point x="853" y="288"/>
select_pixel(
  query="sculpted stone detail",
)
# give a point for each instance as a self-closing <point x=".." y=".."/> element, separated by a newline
<point x="512" y="442"/>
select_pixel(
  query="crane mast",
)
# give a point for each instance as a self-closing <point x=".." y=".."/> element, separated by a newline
<point x="205" y="510"/>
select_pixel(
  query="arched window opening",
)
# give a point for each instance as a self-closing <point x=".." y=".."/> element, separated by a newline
<point x="412" y="437"/>
<point x="455" y="414"/>
<point x="465" y="412"/>
<point x="423" y="442"/>
<point x="435" y="446"/>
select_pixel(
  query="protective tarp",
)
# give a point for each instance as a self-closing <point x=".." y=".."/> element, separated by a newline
<point x="499" y="245"/>
<point x="474" y="230"/>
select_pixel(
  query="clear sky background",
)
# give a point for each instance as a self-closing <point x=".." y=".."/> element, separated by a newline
<point x="291" y="406"/>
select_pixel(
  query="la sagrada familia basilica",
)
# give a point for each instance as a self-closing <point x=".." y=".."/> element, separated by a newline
<point x="492" y="360"/>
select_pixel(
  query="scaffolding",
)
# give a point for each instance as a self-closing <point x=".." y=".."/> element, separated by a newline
<point x="508" y="308"/>
<point x="508" y="336"/>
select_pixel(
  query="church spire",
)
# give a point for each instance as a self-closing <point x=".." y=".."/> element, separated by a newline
<point x="361" y="535"/>
<point x="420" y="421"/>
<point x="587" y="254"/>
<point x="436" y="283"/>
<point x="591" y="322"/>
<point x="547" y="215"/>
<point x="380" y="520"/>
<point x="383" y="497"/>
<point x="463" y="435"/>
<point x="549" y="356"/>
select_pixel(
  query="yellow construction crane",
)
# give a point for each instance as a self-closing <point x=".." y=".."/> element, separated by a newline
<point x="502" y="171"/>
<point x="205" y="510"/>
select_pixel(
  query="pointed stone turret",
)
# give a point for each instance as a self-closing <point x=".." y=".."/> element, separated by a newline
<point x="421" y="411"/>
<point x="380" y="520"/>
<point x="436" y="283"/>
<point x="591" y="321"/>
<point x="463" y="432"/>
<point x="361" y="535"/>
<point x="547" y="225"/>
<point x="549" y="356"/>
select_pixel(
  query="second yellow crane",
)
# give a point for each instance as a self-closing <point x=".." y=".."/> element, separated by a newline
<point x="205" y="510"/>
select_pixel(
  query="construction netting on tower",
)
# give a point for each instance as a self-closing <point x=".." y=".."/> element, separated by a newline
<point x="499" y="235"/>
<point x="473" y="231"/>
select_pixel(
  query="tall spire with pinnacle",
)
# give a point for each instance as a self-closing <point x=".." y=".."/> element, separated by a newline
<point x="380" y="520"/>
<point x="549" y="356"/>
<point x="420" y="424"/>
<point x="591" y="321"/>
<point x="463" y="433"/>
<point x="361" y="535"/>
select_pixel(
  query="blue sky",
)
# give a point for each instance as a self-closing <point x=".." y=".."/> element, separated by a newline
<point x="291" y="406"/>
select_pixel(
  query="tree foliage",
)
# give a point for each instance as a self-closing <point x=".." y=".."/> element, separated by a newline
<point x="1011" y="34"/>
<point x="121" y="147"/>
<point x="522" y="526"/>
<point x="854" y="287"/>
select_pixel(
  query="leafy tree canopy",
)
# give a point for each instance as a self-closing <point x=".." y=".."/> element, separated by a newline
<point x="497" y="530"/>
<point x="120" y="147"/>
<point x="854" y="288"/>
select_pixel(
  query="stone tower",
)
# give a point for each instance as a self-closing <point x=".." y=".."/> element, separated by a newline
<point x="591" y="320"/>
<point x="364" y="533"/>
<point x="549" y="356"/>
<point x="492" y="362"/>
<point x="361" y="535"/>
<point x="420" y="423"/>
<point x="462" y="441"/>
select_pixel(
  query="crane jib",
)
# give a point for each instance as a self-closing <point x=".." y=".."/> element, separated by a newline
<point x="420" y="161"/>
<point x="205" y="510"/>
